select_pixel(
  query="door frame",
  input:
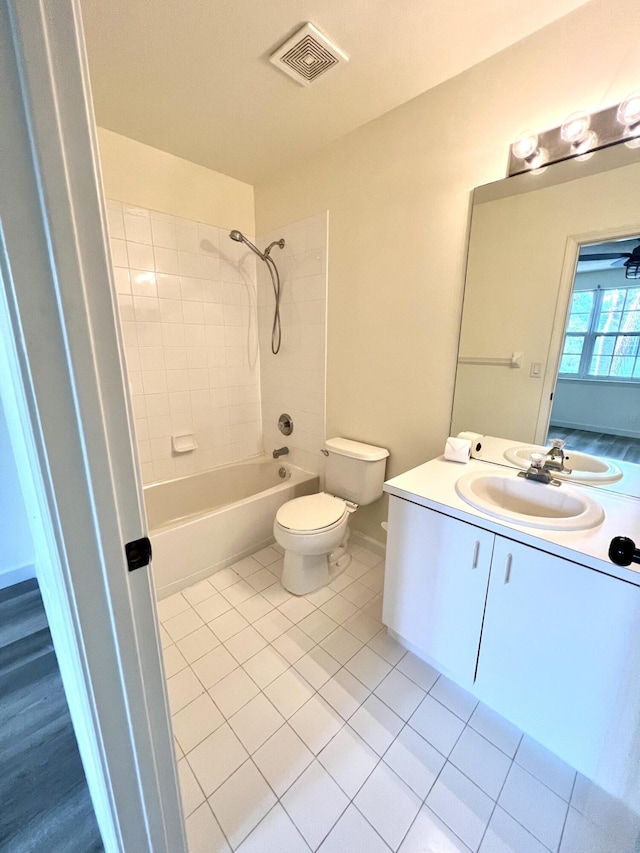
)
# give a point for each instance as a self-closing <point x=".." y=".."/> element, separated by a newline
<point x="63" y="387"/>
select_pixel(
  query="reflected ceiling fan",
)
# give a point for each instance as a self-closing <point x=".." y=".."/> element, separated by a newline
<point x="629" y="260"/>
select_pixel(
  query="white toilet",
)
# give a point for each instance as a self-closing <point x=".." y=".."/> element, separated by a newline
<point x="313" y="529"/>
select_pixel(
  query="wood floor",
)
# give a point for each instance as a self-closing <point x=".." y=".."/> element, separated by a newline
<point x="599" y="443"/>
<point x="45" y="800"/>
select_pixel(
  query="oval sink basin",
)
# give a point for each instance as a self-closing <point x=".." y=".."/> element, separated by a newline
<point x="584" y="467"/>
<point x="529" y="503"/>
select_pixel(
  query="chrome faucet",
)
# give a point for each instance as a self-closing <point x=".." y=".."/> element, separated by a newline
<point x="538" y="470"/>
<point x="555" y="457"/>
<point x="281" y="451"/>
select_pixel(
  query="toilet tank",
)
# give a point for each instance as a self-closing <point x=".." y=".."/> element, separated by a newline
<point x="354" y="471"/>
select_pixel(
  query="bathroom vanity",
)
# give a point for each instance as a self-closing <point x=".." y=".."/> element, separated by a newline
<point x="535" y="622"/>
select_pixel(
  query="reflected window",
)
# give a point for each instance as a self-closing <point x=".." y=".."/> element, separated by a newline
<point x="602" y="338"/>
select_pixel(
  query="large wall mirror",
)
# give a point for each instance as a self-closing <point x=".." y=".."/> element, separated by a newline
<point x="547" y="346"/>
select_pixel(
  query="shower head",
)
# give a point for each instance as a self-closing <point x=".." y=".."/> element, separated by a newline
<point x="239" y="237"/>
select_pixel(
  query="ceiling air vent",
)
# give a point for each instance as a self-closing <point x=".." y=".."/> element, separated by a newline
<point x="307" y="55"/>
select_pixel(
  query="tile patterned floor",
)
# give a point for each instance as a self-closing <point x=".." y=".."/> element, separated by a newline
<point x="301" y="725"/>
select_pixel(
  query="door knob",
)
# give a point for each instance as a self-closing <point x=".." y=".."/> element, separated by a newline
<point x="623" y="551"/>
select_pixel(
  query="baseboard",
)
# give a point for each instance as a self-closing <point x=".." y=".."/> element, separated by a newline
<point x="358" y="538"/>
<point x="10" y="577"/>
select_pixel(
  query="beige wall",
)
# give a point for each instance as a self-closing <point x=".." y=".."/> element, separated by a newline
<point x="398" y="194"/>
<point x="138" y="174"/>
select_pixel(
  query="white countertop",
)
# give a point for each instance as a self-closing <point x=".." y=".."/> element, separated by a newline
<point x="432" y="485"/>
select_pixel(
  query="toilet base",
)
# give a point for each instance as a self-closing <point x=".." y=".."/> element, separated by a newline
<point x="304" y="573"/>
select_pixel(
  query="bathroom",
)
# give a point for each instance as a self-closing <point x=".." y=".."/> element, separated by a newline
<point x="394" y="198"/>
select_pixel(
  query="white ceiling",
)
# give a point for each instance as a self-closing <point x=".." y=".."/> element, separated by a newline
<point x="192" y="77"/>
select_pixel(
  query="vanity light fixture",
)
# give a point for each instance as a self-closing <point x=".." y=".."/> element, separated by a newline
<point x="578" y="137"/>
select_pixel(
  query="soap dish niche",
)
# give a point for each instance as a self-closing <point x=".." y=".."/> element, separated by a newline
<point x="183" y="443"/>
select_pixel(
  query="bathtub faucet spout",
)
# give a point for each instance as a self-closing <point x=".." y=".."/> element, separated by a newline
<point x="281" y="451"/>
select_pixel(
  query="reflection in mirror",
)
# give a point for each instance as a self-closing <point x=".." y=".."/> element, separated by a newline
<point x="527" y="234"/>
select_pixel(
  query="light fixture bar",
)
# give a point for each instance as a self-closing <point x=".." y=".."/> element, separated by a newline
<point x="579" y="136"/>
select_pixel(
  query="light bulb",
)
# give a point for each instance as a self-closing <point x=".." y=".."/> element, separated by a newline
<point x="538" y="159"/>
<point x="585" y="148"/>
<point x="629" y="110"/>
<point x="575" y="128"/>
<point x="525" y="145"/>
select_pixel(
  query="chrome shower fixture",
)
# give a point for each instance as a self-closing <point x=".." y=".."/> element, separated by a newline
<point x="276" y="329"/>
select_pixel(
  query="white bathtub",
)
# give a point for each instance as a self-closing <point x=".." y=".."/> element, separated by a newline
<point x="200" y="524"/>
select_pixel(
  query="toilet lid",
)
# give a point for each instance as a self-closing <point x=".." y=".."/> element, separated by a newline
<point x="311" y="512"/>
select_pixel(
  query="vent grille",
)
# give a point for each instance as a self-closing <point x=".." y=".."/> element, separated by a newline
<point x="307" y="55"/>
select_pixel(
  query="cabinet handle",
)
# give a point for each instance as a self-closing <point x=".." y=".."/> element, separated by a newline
<point x="476" y="554"/>
<point x="507" y="568"/>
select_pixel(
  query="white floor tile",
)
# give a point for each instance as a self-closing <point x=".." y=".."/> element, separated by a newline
<point x="273" y="625"/>
<point x="190" y="791"/>
<point x="349" y="760"/>
<point x="238" y="592"/>
<point x="276" y="833"/>
<point x="256" y="722"/>
<point x="374" y="579"/>
<point x="165" y="639"/>
<point x="198" y="592"/>
<point x="362" y="626"/>
<point x="415" y="761"/>
<point x="534" y="805"/>
<point x="317" y="625"/>
<point x="454" y="698"/>
<point x="461" y="805"/>
<point x="546" y="767"/>
<point x="293" y="644"/>
<point x="173" y="661"/>
<point x="266" y="556"/>
<point x="374" y="608"/>
<point x="171" y="606"/>
<point x="227" y="625"/>
<point x="506" y="835"/>
<point x="356" y="569"/>
<point x="495" y="728"/>
<point x="339" y="609"/>
<point x="262" y="580"/>
<point x="316" y="723"/>
<point x="400" y="694"/>
<point x="213" y="666"/>
<point x="197" y="644"/>
<point x="603" y="810"/>
<point x="314" y="803"/>
<point x="241" y="802"/>
<point x="296" y="609"/>
<point x="317" y="667"/>
<point x="377" y="724"/>
<point x="233" y="692"/>
<point x="320" y="596"/>
<point x="203" y="833"/>
<point x="387" y="647"/>
<point x="583" y="836"/>
<point x="344" y="693"/>
<point x="352" y="834"/>
<point x="212" y="607"/>
<point x="421" y="673"/>
<point x="388" y="804"/>
<point x="265" y="666"/>
<point x="341" y="645"/>
<point x="247" y="566"/>
<point x="282" y="759"/>
<point x="368" y="667"/>
<point x="184" y="623"/>
<point x="289" y="692"/>
<point x="255" y="607"/>
<point x="481" y="761"/>
<point x="224" y="578"/>
<point x="369" y="558"/>
<point x="358" y="594"/>
<point x="183" y="688"/>
<point x="216" y="758"/>
<point x="196" y="721"/>
<point x="437" y="724"/>
<point x="341" y="582"/>
<point x="245" y="644"/>
<point x="428" y="833"/>
<point x="276" y="594"/>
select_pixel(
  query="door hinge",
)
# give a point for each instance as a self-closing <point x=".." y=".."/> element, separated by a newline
<point x="138" y="553"/>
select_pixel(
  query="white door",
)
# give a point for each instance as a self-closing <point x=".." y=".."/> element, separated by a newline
<point x="63" y="389"/>
<point x="558" y="658"/>
<point x="436" y="576"/>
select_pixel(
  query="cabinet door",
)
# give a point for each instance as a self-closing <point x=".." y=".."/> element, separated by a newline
<point x="436" y="576"/>
<point x="559" y="658"/>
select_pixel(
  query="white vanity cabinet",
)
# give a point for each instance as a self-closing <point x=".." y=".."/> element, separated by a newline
<point x="556" y="643"/>
<point x="436" y="585"/>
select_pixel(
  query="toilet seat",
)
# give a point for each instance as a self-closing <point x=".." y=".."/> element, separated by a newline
<point x="312" y="513"/>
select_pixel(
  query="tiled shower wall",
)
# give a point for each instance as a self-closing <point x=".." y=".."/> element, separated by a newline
<point x="294" y="380"/>
<point x="187" y="303"/>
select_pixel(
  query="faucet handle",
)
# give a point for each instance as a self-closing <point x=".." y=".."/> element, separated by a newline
<point x="537" y="460"/>
<point x="558" y="443"/>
